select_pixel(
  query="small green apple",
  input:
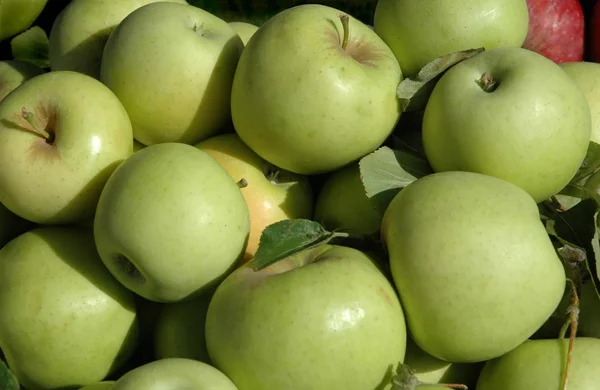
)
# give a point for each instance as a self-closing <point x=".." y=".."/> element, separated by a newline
<point x="106" y="385"/>
<point x="64" y="320"/>
<point x="509" y="113"/>
<point x="323" y="318"/>
<point x="14" y="73"/>
<point x="11" y="225"/>
<point x="18" y="15"/>
<point x="272" y="194"/>
<point x="342" y="203"/>
<point x="464" y="250"/>
<point x="314" y="91"/>
<point x="540" y="365"/>
<point x="61" y="136"/>
<point x="244" y="30"/>
<point x="174" y="374"/>
<point x="81" y="29"/>
<point x="170" y="222"/>
<point x="420" y="31"/>
<point x="172" y="66"/>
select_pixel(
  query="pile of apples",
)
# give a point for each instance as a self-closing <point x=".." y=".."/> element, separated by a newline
<point x="189" y="202"/>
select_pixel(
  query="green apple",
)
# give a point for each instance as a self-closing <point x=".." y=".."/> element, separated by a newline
<point x="174" y="374"/>
<point x="64" y="320"/>
<point x="11" y="225"/>
<point x="272" y="194"/>
<point x="540" y="365"/>
<point x="170" y="222"/>
<point x="323" y="318"/>
<point x="420" y="31"/>
<point x="81" y="29"/>
<point x="314" y="91"/>
<point x="464" y="250"/>
<point x="509" y="113"/>
<point x="342" y="203"/>
<point x="244" y="29"/>
<point x="172" y="66"/>
<point x="61" y="136"/>
<point x="587" y="77"/>
<point x="106" y="385"/>
<point x="179" y="331"/>
<point x="18" y="15"/>
<point x="14" y="73"/>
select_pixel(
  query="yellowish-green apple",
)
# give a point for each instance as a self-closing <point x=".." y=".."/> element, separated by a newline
<point x="14" y="73"/>
<point x="540" y="365"/>
<point x="61" y="136"/>
<point x="18" y="15"/>
<point x="323" y="318"/>
<point x="81" y="29"/>
<point x="64" y="320"/>
<point x="587" y="77"/>
<point x="170" y="222"/>
<point x="174" y="374"/>
<point x="11" y="225"/>
<point x="420" y="31"/>
<point x="464" y="249"/>
<point x="272" y="194"/>
<point x="172" y="66"/>
<point x="509" y="113"/>
<point x="315" y="90"/>
<point x="342" y="203"/>
<point x="244" y="29"/>
<point x="105" y="385"/>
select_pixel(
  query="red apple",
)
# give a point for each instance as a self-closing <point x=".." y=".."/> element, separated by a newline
<point x="556" y="29"/>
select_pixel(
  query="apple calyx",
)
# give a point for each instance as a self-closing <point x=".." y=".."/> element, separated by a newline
<point x="49" y="136"/>
<point x="487" y="82"/>
<point x="242" y="183"/>
<point x="406" y="379"/>
<point x="200" y="29"/>
<point x="271" y="173"/>
<point x="345" y="19"/>
<point x="123" y="263"/>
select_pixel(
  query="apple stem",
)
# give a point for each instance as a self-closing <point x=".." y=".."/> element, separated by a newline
<point x="487" y="82"/>
<point x="572" y="321"/>
<point x="243" y="183"/>
<point x="345" y="19"/>
<point x="28" y="116"/>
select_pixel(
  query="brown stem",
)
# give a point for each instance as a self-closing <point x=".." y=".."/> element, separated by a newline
<point x="28" y="116"/>
<point x="243" y="183"/>
<point x="346" y="26"/>
<point x="572" y="321"/>
<point x="487" y="82"/>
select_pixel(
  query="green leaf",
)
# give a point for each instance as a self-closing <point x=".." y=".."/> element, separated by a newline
<point x="8" y="381"/>
<point x="32" y="46"/>
<point x="414" y="92"/>
<point x="284" y="238"/>
<point x="590" y="164"/>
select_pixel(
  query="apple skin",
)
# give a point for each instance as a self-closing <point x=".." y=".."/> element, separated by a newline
<point x="460" y="243"/>
<point x="174" y="374"/>
<point x="556" y="29"/>
<point x="301" y="316"/>
<point x="18" y="15"/>
<point x="106" y="385"/>
<point x="533" y="130"/>
<point x="302" y="102"/>
<point x="272" y="194"/>
<point x="193" y="53"/>
<point x="64" y="320"/>
<point x="170" y="201"/>
<point x="81" y="29"/>
<point x="60" y="182"/>
<point x="587" y="77"/>
<point x="14" y="73"/>
<point x="342" y="203"/>
<point x="244" y="30"/>
<point x="539" y="364"/>
<point x="420" y="31"/>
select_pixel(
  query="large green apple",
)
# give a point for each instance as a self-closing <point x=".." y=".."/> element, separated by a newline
<point x="174" y="374"/>
<point x="509" y="113"/>
<point x="342" y="203"/>
<point x="81" y="29"/>
<point x="272" y="194"/>
<point x="311" y="96"/>
<point x="14" y="73"/>
<point x="324" y="318"/>
<point x="170" y="222"/>
<point x="18" y="15"/>
<point x="172" y="66"/>
<point x="61" y="136"/>
<point x="540" y="365"/>
<point x="420" y="31"/>
<point x="106" y="385"/>
<point x="64" y="320"/>
<point x="244" y="29"/>
<point x="465" y="249"/>
<point x="587" y="77"/>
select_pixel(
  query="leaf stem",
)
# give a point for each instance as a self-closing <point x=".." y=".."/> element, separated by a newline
<point x="28" y="116"/>
<point x="572" y="322"/>
<point x="345" y="19"/>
